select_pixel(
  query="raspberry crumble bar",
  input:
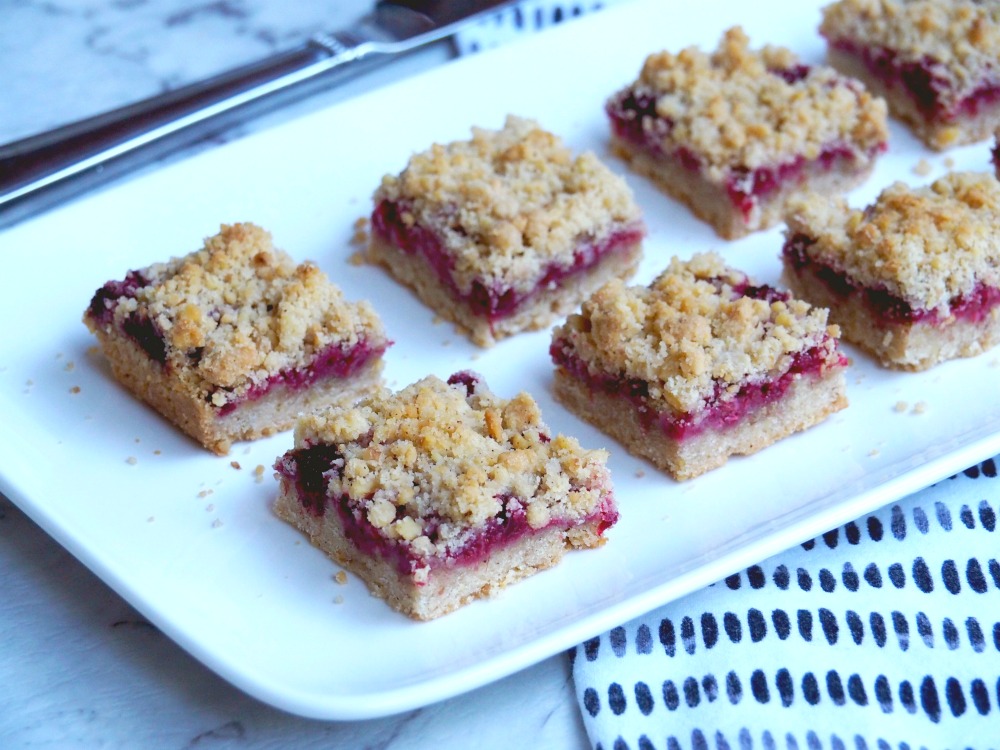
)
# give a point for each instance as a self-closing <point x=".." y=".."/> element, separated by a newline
<point x="507" y="231"/>
<point x="914" y="278"/>
<point x="734" y="133"/>
<point x="936" y="62"/>
<point x="443" y="492"/>
<point x="234" y="341"/>
<point x="702" y="364"/>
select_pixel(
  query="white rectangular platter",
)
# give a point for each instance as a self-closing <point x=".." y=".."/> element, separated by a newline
<point x="189" y="538"/>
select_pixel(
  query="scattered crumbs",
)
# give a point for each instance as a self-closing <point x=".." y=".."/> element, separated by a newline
<point x="900" y="407"/>
<point x="922" y="168"/>
<point x="640" y="473"/>
<point x="340" y="577"/>
<point x="93" y="349"/>
<point x="132" y="460"/>
<point x="920" y="407"/>
<point x="29" y="382"/>
<point x="75" y="389"/>
<point x="258" y="473"/>
<point x="475" y="356"/>
<point x="210" y="507"/>
<point x="216" y="523"/>
<point x="873" y="452"/>
<point x="157" y="452"/>
<point x="338" y="599"/>
<point x="235" y="465"/>
<point x="138" y="440"/>
<point x="70" y="366"/>
<point x="446" y="342"/>
<point x="949" y="162"/>
<point x="205" y="493"/>
<point x="360" y="236"/>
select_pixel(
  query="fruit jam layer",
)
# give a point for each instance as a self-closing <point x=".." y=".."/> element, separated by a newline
<point x="884" y="307"/>
<point x="717" y="414"/>
<point x="485" y="299"/>
<point x="311" y="468"/>
<point x="334" y="361"/>
<point x="928" y="89"/>
<point x="634" y="119"/>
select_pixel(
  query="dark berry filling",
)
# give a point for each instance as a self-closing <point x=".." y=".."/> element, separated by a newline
<point x="488" y="299"/>
<point x="634" y="119"/>
<point x="883" y="306"/>
<point x="137" y="325"/>
<point x="925" y="82"/>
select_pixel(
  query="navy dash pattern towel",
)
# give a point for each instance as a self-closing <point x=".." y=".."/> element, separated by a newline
<point x="883" y="634"/>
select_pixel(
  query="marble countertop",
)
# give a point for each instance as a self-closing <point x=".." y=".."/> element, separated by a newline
<point x="81" y="668"/>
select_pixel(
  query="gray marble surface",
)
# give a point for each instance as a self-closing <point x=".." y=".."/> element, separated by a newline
<point x="79" y="667"/>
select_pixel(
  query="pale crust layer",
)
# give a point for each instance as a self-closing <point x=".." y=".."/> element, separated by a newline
<point x="443" y="589"/>
<point x="249" y="420"/>
<point x="808" y="401"/>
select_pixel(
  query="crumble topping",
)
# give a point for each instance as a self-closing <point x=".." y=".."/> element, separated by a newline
<point x="692" y="334"/>
<point x="925" y="245"/>
<point x="507" y="204"/>
<point x="756" y="108"/>
<point x="435" y="457"/>
<point x="958" y="39"/>
<point x="240" y="310"/>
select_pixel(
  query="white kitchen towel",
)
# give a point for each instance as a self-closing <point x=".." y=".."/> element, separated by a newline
<point x="882" y="634"/>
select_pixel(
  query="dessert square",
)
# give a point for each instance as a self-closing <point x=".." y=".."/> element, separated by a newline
<point x="505" y="232"/>
<point x="913" y="278"/>
<point x="701" y="365"/>
<point x="234" y="340"/>
<point x="936" y="62"/>
<point x="733" y="134"/>
<point x="443" y="492"/>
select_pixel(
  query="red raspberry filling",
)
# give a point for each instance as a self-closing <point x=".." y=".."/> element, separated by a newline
<point x="634" y="119"/>
<point x="335" y="361"/>
<point x="923" y="81"/>
<point x="883" y="306"/>
<point x="311" y="469"/>
<point x="489" y="299"/>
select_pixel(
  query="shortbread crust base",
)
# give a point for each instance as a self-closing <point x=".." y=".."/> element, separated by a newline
<point x="274" y="412"/>
<point x="710" y="202"/>
<point x="444" y="588"/>
<point x="901" y="346"/>
<point x="536" y="314"/>
<point x="936" y="135"/>
<point x="808" y="401"/>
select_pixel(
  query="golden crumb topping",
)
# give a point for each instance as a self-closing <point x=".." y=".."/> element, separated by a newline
<point x="758" y="108"/>
<point x="926" y="245"/>
<point x="433" y="463"/>
<point x="959" y="39"/>
<point x="238" y="311"/>
<point x="693" y="335"/>
<point x="508" y="204"/>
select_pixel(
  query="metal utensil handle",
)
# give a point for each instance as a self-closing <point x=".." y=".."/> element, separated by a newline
<point x="40" y="171"/>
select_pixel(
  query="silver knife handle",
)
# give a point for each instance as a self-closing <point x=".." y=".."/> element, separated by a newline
<point x="41" y="171"/>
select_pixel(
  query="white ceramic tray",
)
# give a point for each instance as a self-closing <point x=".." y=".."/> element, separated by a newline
<point x="191" y="541"/>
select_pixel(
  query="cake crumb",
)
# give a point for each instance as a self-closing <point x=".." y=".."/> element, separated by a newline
<point x="920" y="407"/>
<point x="922" y="168"/>
<point x="75" y="389"/>
<point x="150" y="519"/>
<point x="949" y="162"/>
<point x="640" y="473"/>
<point x="258" y="473"/>
<point x="157" y="452"/>
<point x="341" y="577"/>
<point x="900" y="407"/>
<point x="210" y="507"/>
<point x="235" y="465"/>
<point x="70" y="366"/>
<point x="205" y="493"/>
<point x="216" y="523"/>
<point x="132" y="460"/>
<point x="338" y="599"/>
<point x="873" y="452"/>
